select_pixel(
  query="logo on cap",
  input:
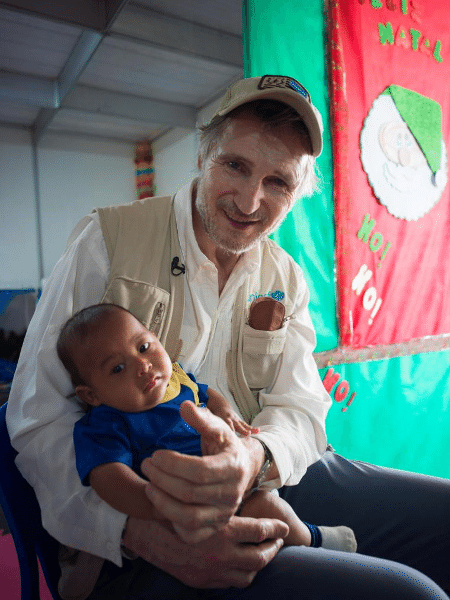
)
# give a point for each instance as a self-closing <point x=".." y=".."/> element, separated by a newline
<point x="276" y="81"/>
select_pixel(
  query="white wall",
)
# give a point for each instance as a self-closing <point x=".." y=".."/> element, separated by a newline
<point x="18" y="256"/>
<point x="175" y="156"/>
<point x="75" y="175"/>
<point x="175" y="161"/>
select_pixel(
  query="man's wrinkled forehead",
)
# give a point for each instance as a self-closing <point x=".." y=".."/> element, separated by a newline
<point x="245" y="139"/>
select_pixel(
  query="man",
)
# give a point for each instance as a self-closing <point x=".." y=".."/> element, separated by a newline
<point x="246" y="331"/>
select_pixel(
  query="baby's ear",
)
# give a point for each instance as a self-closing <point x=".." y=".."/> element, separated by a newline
<point x="87" y="394"/>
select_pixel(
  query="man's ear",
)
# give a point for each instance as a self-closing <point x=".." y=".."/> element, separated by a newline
<point x="87" y="394"/>
<point x="199" y="162"/>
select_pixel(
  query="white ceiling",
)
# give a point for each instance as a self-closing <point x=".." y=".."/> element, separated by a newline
<point x="116" y="69"/>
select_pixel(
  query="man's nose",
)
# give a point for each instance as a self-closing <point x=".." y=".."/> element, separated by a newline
<point x="249" y="199"/>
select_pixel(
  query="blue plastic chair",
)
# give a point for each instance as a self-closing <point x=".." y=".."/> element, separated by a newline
<point x="23" y="515"/>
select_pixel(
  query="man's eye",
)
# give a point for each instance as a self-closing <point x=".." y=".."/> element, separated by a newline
<point x="277" y="182"/>
<point x="234" y="165"/>
<point x="144" y="347"/>
<point x="118" y="368"/>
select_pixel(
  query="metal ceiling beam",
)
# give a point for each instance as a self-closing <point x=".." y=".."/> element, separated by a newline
<point x="28" y="89"/>
<point x="98" y="15"/>
<point x="137" y="24"/>
<point x="94" y="100"/>
<point x="44" y="94"/>
<point x="96" y="18"/>
<point x="87" y="44"/>
<point x="149" y="27"/>
<point x="81" y="54"/>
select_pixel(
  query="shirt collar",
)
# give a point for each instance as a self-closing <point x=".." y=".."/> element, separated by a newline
<point x="194" y="258"/>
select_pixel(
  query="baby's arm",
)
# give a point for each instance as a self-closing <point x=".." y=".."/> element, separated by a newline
<point x="122" y="489"/>
<point x="219" y="406"/>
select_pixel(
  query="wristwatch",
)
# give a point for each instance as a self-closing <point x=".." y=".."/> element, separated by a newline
<point x="126" y="553"/>
<point x="268" y="461"/>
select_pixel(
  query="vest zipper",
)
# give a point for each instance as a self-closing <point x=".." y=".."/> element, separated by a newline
<point x="157" y="318"/>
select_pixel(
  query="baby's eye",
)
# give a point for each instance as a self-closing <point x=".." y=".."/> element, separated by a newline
<point x="118" y="368"/>
<point x="144" y="347"/>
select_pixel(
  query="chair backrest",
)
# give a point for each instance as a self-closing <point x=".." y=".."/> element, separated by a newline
<point x="23" y="515"/>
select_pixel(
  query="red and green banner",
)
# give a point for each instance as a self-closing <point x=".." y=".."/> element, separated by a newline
<point x="390" y="61"/>
<point x="390" y="390"/>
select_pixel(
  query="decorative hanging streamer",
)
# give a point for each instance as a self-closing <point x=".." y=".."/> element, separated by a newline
<point x="145" y="173"/>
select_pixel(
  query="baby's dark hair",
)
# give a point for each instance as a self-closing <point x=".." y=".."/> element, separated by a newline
<point x="75" y="331"/>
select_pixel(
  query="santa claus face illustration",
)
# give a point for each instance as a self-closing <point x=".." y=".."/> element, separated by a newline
<point x="404" y="179"/>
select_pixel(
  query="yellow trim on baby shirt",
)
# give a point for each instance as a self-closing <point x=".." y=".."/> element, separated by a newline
<point x="177" y="379"/>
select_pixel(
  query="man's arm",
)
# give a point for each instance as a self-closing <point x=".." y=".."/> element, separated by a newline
<point x="237" y="547"/>
<point x="294" y="408"/>
<point x="40" y="418"/>
<point x="238" y="551"/>
<point x="203" y="492"/>
<point x="40" y="421"/>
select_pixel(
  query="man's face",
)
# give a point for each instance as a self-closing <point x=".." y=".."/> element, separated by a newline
<point x="124" y="365"/>
<point x="247" y="185"/>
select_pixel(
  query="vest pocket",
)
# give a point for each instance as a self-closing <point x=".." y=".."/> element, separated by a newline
<point x="261" y="355"/>
<point x="146" y="302"/>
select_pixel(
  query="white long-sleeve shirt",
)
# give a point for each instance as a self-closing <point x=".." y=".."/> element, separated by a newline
<point x="40" y="418"/>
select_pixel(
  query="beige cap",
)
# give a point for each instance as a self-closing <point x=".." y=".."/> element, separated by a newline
<point x="281" y="88"/>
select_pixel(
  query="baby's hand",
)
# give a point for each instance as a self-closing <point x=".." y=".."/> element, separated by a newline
<point x="220" y="407"/>
<point x="240" y="426"/>
<point x="235" y="422"/>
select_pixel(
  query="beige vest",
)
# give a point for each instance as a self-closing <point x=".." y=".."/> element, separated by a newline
<point x="141" y="239"/>
<point x="141" y="280"/>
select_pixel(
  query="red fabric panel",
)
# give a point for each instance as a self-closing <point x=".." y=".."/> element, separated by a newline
<point x="393" y="272"/>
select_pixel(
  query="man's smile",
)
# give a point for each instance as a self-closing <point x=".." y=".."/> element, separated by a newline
<point x="239" y="221"/>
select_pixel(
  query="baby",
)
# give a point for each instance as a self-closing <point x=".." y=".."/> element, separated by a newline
<point x="133" y="392"/>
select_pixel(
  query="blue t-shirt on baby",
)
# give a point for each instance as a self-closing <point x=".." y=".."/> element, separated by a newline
<point x="105" y="434"/>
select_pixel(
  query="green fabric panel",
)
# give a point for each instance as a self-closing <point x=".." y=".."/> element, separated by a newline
<point x="288" y="38"/>
<point x="400" y="416"/>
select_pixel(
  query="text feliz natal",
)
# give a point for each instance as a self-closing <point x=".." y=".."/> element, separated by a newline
<point x="404" y="36"/>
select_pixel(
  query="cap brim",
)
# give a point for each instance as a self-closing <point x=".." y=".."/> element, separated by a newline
<point x="310" y="115"/>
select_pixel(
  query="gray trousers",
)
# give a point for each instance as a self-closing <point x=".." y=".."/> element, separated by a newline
<point x="401" y="522"/>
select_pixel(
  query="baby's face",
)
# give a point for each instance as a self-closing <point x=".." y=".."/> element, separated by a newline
<point x="125" y="365"/>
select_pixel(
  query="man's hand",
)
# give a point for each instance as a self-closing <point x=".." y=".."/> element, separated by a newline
<point x="230" y="558"/>
<point x="201" y="493"/>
